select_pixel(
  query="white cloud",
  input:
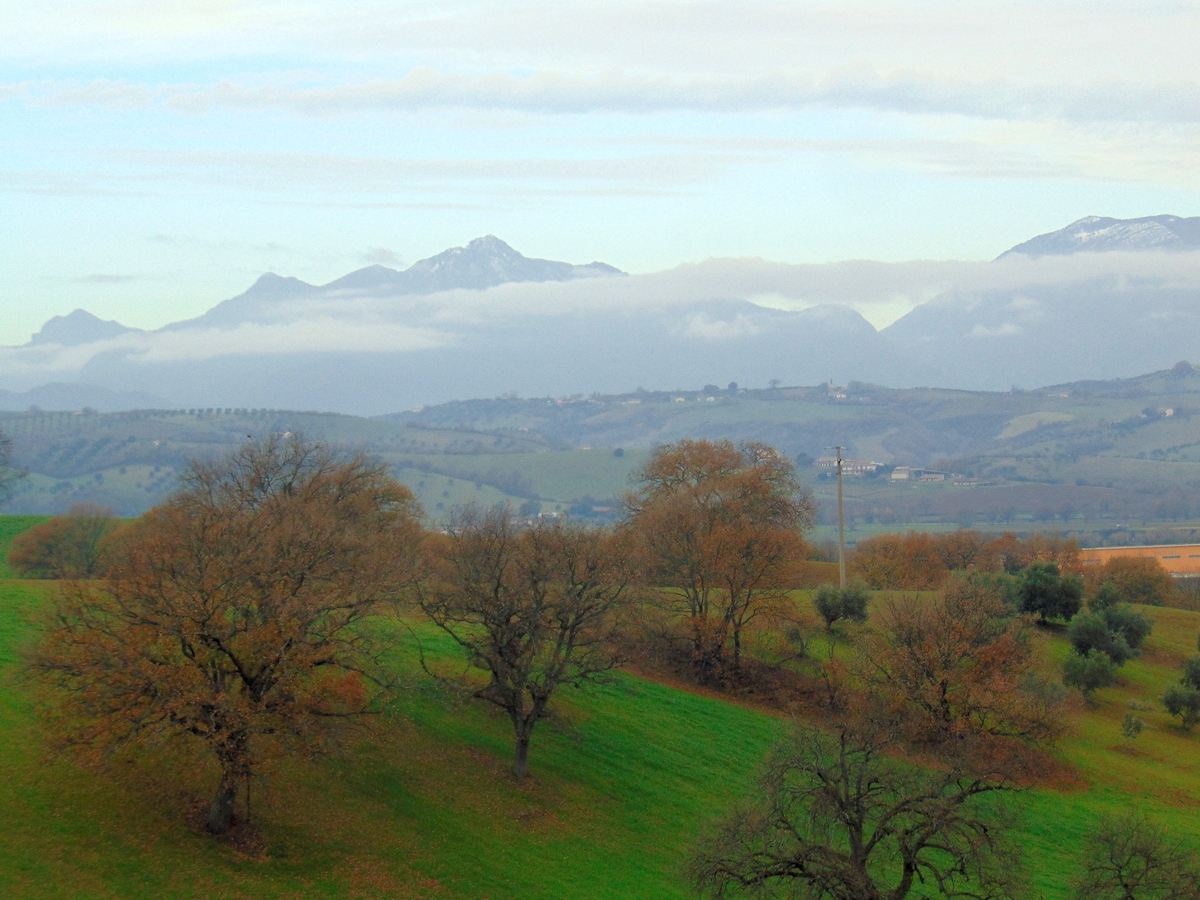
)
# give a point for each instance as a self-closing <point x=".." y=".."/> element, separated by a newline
<point x="101" y="278"/>
<point x="1027" y="40"/>
<point x="707" y="328"/>
<point x="381" y="256"/>
<point x="1005" y="330"/>
<point x="314" y="334"/>
<point x="915" y="91"/>
<point x="283" y="171"/>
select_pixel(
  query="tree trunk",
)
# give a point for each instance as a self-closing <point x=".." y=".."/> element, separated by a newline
<point x="521" y="756"/>
<point x="220" y="811"/>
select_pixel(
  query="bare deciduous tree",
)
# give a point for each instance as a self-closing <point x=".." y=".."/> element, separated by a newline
<point x="843" y="818"/>
<point x="234" y="612"/>
<point x="1128" y="857"/>
<point x="533" y="607"/>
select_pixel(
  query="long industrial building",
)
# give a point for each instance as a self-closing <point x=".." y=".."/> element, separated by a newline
<point x="1178" y="559"/>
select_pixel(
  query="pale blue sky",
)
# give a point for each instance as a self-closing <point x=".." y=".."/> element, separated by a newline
<point x="156" y="157"/>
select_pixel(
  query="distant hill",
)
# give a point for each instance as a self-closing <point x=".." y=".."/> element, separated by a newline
<point x="1099" y="457"/>
<point x="72" y="397"/>
<point x="1097" y="234"/>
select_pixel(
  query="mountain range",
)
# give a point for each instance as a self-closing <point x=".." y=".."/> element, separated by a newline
<point x="1101" y="298"/>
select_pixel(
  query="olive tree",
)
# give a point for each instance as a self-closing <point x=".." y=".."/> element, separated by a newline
<point x="1089" y="671"/>
<point x="1045" y="591"/>
<point x="1182" y="699"/>
<point x="835" y="604"/>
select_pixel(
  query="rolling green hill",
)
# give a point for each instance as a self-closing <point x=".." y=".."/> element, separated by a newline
<point x="1108" y="459"/>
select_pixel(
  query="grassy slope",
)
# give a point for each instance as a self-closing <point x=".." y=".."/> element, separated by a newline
<point x="621" y="781"/>
<point x="624" y="777"/>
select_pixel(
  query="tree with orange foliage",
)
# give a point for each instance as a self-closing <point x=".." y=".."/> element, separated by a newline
<point x="1136" y="579"/>
<point x="64" y="546"/>
<point x="903" y="562"/>
<point x="960" y="662"/>
<point x="1014" y="554"/>
<point x="234" y="614"/>
<point x="921" y="562"/>
<point x="965" y="551"/>
<point x="720" y="526"/>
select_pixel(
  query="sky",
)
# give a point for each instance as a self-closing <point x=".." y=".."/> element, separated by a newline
<point x="155" y="158"/>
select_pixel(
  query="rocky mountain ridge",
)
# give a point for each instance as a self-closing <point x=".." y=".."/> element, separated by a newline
<point x="1098" y="234"/>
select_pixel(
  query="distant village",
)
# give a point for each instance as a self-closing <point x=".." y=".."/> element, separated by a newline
<point x="860" y="468"/>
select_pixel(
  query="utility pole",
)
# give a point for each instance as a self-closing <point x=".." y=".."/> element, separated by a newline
<point x="841" y="522"/>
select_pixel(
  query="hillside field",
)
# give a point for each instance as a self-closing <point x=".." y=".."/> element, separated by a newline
<point x="421" y="805"/>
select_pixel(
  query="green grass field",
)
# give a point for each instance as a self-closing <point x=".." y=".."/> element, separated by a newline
<point x="422" y="805"/>
<point x="10" y="527"/>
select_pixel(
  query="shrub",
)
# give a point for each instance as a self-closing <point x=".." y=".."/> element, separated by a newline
<point x="1131" y="726"/>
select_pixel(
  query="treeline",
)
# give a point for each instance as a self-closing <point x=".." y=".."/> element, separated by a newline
<point x="919" y="561"/>
<point x="259" y="610"/>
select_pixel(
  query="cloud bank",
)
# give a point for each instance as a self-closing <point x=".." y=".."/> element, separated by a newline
<point x="367" y="322"/>
<point x="909" y="92"/>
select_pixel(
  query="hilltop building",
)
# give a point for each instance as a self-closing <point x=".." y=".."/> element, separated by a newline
<point x="849" y="466"/>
